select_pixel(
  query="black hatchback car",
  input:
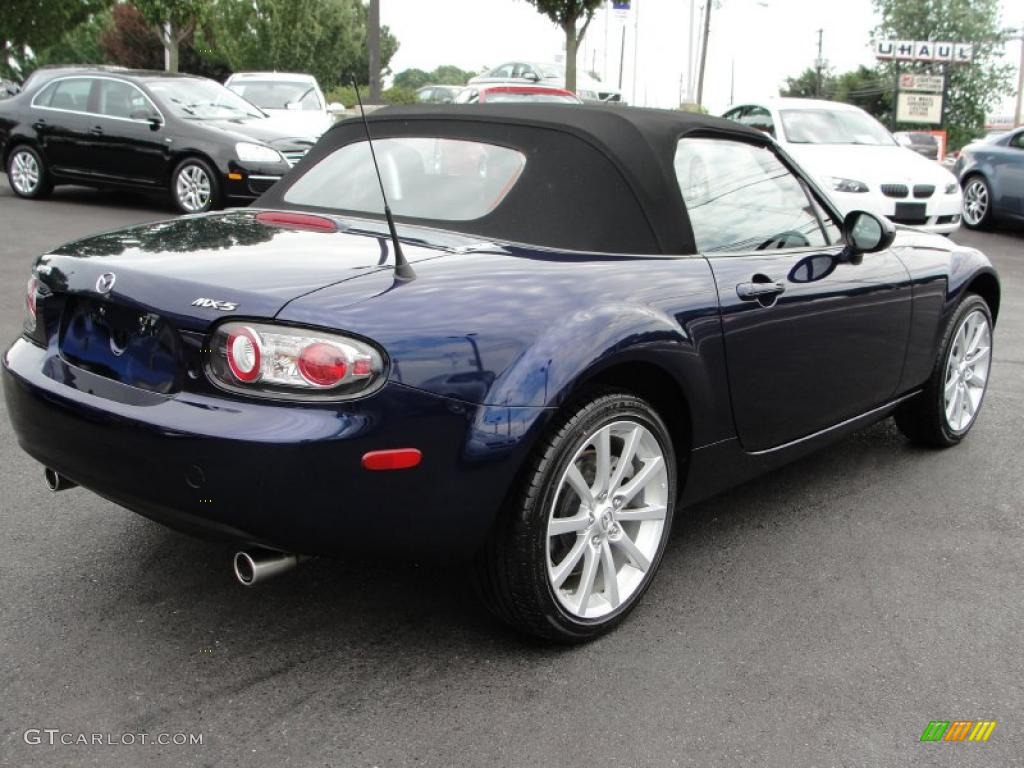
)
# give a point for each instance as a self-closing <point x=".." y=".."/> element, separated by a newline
<point x="143" y="130"/>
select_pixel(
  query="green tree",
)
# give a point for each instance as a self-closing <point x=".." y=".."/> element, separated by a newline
<point x="326" y="38"/>
<point x="568" y="15"/>
<point x="805" y="85"/>
<point x="412" y="78"/>
<point x="446" y="74"/>
<point x="33" y="25"/>
<point x="173" y="21"/>
<point x="972" y="89"/>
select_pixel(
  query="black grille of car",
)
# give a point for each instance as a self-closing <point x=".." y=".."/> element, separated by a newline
<point x="924" y="190"/>
<point x="895" y="190"/>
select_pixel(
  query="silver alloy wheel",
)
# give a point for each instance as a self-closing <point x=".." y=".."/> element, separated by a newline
<point x="607" y="519"/>
<point x="193" y="188"/>
<point x="967" y="368"/>
<point x="24" y="172"/>
<point x="975" y="202"/>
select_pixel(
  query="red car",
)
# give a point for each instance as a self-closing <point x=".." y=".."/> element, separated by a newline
<point x="493" y="94"/>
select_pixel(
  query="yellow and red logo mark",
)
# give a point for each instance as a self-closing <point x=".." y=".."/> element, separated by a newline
<point x="958" y="730"/>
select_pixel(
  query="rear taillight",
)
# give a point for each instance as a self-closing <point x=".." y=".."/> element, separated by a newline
<point x="31" y="293"/>
<point x="292" y="363"/>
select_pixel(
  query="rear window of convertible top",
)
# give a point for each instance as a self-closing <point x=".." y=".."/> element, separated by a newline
<point x="425" y="178"/>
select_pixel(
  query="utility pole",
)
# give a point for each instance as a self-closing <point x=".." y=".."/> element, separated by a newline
<point x="819" y="65"/>
<point x="373" y="45"/>
<point x="703" y="52"/>
<point x="1018" y="119"/>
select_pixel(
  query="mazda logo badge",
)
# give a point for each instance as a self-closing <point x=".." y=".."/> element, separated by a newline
<point x="105" y="282"/>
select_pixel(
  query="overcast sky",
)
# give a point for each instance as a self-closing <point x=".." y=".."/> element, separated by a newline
<point x="766" y="41"/>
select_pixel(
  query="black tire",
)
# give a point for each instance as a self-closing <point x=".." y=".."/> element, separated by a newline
<point x="977" y="190"/>
<point x="192" y="168"/>
<point x="923" y="419"/>
<point x="512" y="570"/>
<point x="21" y="156"/>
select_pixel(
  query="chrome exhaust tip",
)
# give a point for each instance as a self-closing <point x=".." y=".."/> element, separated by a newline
<point x="261" y="564"/>
<point x="56" y="482"/>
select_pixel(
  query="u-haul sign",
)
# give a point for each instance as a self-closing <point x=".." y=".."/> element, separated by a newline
<point x="924" y="50"/>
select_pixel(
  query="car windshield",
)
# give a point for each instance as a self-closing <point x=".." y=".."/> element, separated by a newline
<point x="425" y="178"/>
<point x="278" y="94"/>
<point x="551" y="98"/>
<point x="826" y="126"/>
<point x="195" y="99"/>
<point x="550" y="70"/>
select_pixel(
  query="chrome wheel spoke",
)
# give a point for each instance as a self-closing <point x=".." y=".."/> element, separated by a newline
<point x="632" y="551"/>
<point x="636" y="483"/>
<point x="559" y="526"/>
<point x="575" y="479"/>
<point x="651" y="512"/>
<point x="564" y="568"/>
<point x="625" y="458"/>
<point x="603" y="447"/>
<point x="591" y="561"/>
<point x="610" y="575"/>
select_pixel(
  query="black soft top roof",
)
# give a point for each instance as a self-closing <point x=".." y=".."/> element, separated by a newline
<point x="597" y="178"/>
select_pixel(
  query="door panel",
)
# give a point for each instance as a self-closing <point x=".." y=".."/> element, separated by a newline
<point x="60" y="121"/>
<point x="127" y="149"/>
<point x="810" y="340"/>
<point x="823" y="352"/>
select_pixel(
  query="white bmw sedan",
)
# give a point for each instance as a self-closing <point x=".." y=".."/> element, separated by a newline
<point x="858" y="161"/>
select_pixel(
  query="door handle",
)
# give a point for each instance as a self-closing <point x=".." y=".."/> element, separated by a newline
<point x="39" y="124"/>
<point x="757" y="290"/>
<point x="96" y="130"/>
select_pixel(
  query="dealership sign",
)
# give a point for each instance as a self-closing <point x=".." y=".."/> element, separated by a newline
<point x="923" y="108"/>
<point x="925" y="83"/>
<point x="924" y="50"/>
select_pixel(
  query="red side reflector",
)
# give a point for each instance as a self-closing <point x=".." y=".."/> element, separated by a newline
<point x="305" y="221"/>
<point x="397" y="458"/>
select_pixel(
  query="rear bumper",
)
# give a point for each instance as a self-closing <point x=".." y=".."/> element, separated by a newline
<point x="283" y="476"/>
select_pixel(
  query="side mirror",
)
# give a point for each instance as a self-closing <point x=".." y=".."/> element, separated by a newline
<point x="531" y="76"/>
<point x="335" y="107"/>
<point x="293" y="105"/>
<point x="865" y="233"/>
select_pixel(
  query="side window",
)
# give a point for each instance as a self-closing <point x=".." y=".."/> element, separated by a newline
<point x="1018" y="141"/>
<point x="740" y="197"/>
<point x="425" y="95"/>
<point x="43" y="98"/>
<point x="759" y="118"/>
<point x="735" y="114"/>
<point x="71" y="94"/>
<point x="123" y="100"/>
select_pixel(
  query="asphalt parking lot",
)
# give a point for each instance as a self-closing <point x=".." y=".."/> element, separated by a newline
<point x="821" y="616"/>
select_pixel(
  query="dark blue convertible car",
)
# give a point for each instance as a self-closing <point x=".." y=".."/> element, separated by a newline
<point x="594" y="317"/>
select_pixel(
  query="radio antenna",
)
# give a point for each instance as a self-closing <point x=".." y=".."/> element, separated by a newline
<point x="403" y="269"/>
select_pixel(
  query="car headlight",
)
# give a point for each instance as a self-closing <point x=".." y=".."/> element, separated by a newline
<point x="952" y="187"/>
<point x="257" y="153"/>
<point x="847" y="185"/>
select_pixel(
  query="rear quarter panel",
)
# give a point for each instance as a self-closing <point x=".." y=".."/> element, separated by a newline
<point x="526" y="328"/>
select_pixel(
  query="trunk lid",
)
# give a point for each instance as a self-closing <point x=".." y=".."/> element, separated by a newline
<point x="135" y="305"/>
<point x="238" y="264"/>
